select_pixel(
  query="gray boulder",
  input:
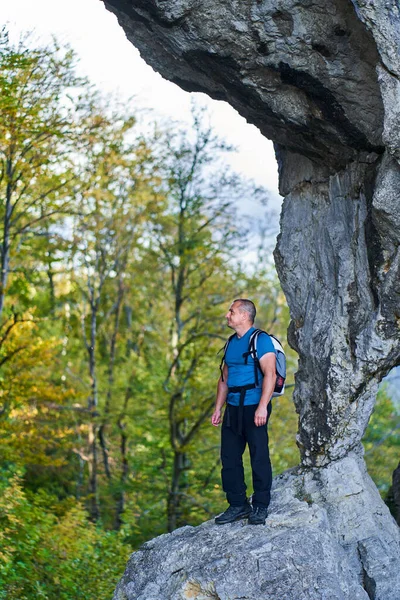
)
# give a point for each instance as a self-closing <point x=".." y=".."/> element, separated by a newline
<point x="327" y="537"/>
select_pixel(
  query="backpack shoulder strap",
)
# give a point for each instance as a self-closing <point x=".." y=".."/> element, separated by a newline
<point x="253" y="353"/>
<point x="253" y="340"/>
<point x="280" y="360"/>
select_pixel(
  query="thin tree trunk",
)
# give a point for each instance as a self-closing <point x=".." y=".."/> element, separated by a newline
<point x="81" y="469"/>
<point x="50" y="275"/>
<point x="94" y="509"/>
<point x="393" y="495"/>
<point x="5" y="246"/>
<point x="111" y="364"/>
<point x="120" y="499"/>
<point x="120" y="496"/>
<point x="174" y="512"/>
<point x="180" y="459"/>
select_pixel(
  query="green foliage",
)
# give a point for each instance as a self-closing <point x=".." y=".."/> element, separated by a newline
<point x="382" y="442"/>
<point x="50" y="550"/>
<point x="43" y="107"/>
<point x="282" y="433"/>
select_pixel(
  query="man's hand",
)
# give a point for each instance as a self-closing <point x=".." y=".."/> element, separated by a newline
<point x="260" y="416"/>
<point x="216" y="417"/>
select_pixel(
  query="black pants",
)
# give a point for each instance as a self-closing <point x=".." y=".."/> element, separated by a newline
<point x="233" y="445"/>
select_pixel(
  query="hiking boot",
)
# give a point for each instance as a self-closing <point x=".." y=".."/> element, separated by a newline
<point x="258" y="515"/>
<point x="233" y="513"/>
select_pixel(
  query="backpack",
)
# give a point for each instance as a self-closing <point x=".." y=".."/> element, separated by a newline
<point x="252" y="351"/>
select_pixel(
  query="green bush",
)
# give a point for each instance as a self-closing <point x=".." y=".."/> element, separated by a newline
<point x="50" y="550"/>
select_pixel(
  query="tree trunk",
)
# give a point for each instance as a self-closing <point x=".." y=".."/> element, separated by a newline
<point x="50" y="275"/>
<point x="174" y="501"/>
<point x="393" y="495"/>
<point x="111" y="363"/>
<point x="5" y="246"/>
<point x="94" y="509"/>
<point x="396" y="493"/>
<point x="120" y="496"/>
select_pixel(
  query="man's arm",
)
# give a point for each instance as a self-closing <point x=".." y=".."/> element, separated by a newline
<point x="222" y="392"/>
<point x="268" y="368"/>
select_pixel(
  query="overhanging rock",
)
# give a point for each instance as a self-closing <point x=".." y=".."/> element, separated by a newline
<point x="304" y="73"/>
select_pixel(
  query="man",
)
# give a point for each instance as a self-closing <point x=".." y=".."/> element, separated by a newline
<point x="246" y="417"/>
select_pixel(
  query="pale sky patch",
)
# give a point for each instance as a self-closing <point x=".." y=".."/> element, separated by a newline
<point x="114" y="65"/>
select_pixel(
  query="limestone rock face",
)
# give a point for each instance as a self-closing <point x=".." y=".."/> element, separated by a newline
<point x="321" y="78"/>
<point x="323" y="549"/>
<point x="345" y="304"/>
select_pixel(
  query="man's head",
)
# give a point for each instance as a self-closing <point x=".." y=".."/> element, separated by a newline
<point x="241" y="314"/>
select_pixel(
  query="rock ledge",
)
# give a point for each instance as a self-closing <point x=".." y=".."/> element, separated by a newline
<point x="323" y="540"/>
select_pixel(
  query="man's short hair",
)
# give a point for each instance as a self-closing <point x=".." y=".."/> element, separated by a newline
<point x="248" y="307"/>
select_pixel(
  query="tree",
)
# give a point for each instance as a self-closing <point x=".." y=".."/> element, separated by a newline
<point x="381" y="442"/>
<point x="48" y="549"/>
<point x="120" y="254"/>
<point x="42" y="102"/>
<point x="118" y="196"/>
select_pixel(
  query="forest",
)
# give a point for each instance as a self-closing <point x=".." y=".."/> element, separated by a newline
<point x="122" y="244"/>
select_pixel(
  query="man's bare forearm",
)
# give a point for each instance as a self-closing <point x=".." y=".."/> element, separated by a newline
<point x="268" y="367"/>
<point x="268" y="387"/>
<point x="222" y="392"/>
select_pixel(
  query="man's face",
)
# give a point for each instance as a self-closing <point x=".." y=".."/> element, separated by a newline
<point x="234" y="316"/>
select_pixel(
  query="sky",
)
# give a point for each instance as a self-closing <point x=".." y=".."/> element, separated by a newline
<point x="114" y="65"/>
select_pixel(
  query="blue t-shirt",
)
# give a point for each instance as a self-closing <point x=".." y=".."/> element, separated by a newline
<point x="241" y="374"/>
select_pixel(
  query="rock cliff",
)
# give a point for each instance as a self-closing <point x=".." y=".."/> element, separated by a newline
<point x="321" y="78"/>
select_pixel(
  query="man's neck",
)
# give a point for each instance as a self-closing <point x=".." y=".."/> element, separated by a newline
<point x="243" y="330"/>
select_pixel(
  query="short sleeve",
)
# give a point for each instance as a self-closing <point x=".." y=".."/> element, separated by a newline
<point x="264" y="345"/>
